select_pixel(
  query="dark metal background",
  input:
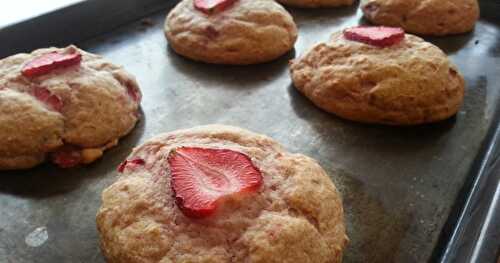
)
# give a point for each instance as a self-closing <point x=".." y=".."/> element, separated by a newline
<point x="404" y="188"/>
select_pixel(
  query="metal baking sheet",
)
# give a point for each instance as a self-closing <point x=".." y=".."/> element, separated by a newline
<point x="403" y="188"/>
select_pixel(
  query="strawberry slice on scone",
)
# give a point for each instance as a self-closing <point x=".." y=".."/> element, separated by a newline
<point x="200" y="177"/>
<point x="380" y="36"/>
<point x="212" y="6"/>
<point x="46" y="63"/>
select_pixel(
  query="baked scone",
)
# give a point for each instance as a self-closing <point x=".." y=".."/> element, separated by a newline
<point x="64" y="103"/>
<point x="232" y="32"/>
<point x="220" y="194"/>
<point x="430" y="17"/>
<point x="316" y="3"/>
<point x="394" y="79"/>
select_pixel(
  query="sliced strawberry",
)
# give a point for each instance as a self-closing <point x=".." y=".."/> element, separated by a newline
<point x="130" y="163"/>
<point x="213" y="6"/>
<point x="46" y="63"/>
<point x="67" y="156"/>
<point x="51" y="100"/>
<point x="200" y="177"/>
<point x="134" y="93"/>
<point x="380" y="36"/>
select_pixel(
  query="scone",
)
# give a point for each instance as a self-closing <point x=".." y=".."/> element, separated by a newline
<point x="230" y="31"/>
<point x="380" y="75"/>
<point x="316" y="3"/>
<point x="220" y="194"/>
<point x="65" y="104"/>
<point x="430" y="17"/>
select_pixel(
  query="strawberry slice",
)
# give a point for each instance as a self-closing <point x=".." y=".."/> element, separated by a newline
<point x="67" y="156"/>
<point x="201" y="177"/>
<point x="380" y="36"/>
<point x="213" y="6"/>
<point x="51" y="100"/>
<point x="46" y="63"/>
<point x="130" y="163"/>
<point x="134" y="93"/>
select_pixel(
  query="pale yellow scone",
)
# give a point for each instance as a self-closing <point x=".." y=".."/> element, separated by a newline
<point x="93" y="109"/>
<point x="296" y="215"/>
<point x="316" y="3"/>
<point x="248" y="32"/>
<point x="424" y="17"/>
<point x="411" y="82"/>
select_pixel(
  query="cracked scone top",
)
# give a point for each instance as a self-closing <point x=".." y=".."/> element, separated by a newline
<point x="316" y="3"/>
<point x="70" y="112"/>
<point x="293" y="214"/>
<point x="430" y="17"/>
<point x="406" y="83"/>
<point x="244" y="32"/>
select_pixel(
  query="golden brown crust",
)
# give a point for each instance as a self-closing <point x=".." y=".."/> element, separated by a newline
<point x="296" y="215"/>
<point x="316" y="3"/>
<point x="410" y="83"/>
<point x="97" y="110"/>
<point x="426" y="17"/>
<point x="249" y="32"/>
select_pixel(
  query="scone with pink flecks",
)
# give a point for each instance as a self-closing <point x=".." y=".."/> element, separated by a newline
<point x="220" y="194"/>
<point x="430" y="17"/>
<point x="63" y="104"/>
<point x="230" y="31"/>
<point x="380" y="75"/>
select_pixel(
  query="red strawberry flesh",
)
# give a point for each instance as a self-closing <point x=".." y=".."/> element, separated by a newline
<point x="51" y="100"/>
<point x="201" y="177"/>
<point x="379" y="36"/>
<point x="67" y="156"/>
<point x="212" y="6"/>
<point x="130" y="163"/>
<point x="134" y="93"/>
<point x="46" y="63"/>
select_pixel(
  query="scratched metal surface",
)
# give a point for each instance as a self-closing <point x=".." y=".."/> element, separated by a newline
<point x="398" y="184"/>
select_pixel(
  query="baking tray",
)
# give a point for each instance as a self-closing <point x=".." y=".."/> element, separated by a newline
<point x="410" y="194"/>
